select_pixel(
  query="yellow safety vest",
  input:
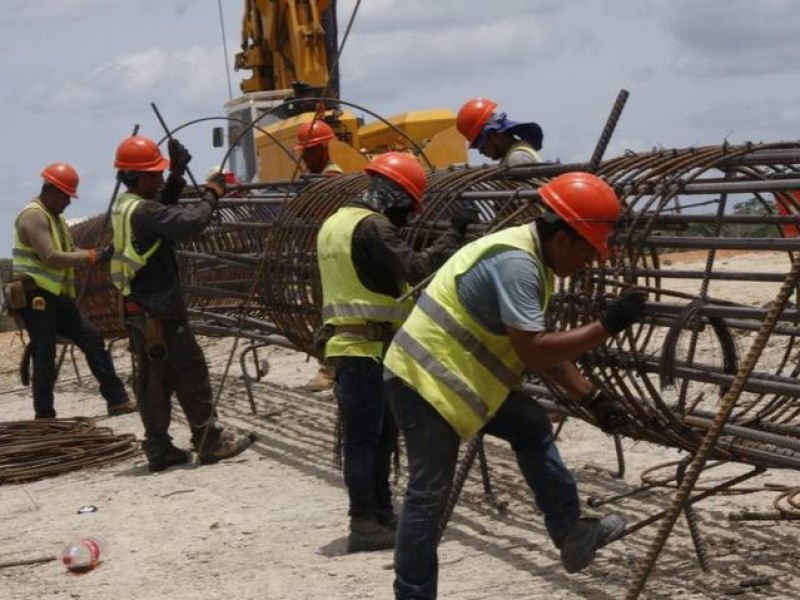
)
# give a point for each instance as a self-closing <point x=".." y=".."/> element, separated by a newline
<point x="345" y="300"/>
<point x="56" y="280"/>
<point x="521" y="146"/>
<point x="463" y="370"/>
<point x="126" y="260"/>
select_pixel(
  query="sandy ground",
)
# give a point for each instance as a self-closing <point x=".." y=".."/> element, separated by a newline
<point x="272" y="522"/>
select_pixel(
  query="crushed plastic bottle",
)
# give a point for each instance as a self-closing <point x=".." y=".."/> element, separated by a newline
<point x="84" y="553"/>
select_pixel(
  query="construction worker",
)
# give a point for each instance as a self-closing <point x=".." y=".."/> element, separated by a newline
<point x="365" y="266"/>
<point x="312" y="143"/>
<point x="148" y="223"/>
<point x="454" y="366"/>
<point x="495" y="136"/>
<point x="44" y="261"/>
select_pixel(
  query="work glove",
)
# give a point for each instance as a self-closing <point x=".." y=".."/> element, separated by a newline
<point x="99" y="256"/>
<point x="215" y="187"/>
<point x="624" y="310"/>
<point x="610" y="414"/>
<point x="179" y="157"/>
<point x="462" y="218"/>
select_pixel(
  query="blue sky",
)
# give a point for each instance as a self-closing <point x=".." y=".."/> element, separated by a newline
<point x="78" y="74"/>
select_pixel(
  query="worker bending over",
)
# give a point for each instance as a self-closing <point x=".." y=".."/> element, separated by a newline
<point x="454" y="367"/>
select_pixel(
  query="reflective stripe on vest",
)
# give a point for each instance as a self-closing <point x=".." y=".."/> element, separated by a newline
<point x="345" y="301"/>
<point x="126" y="260"/>
<point x="462" y="369"/>
<point x="56" y="280"/>
<point x="520" y="147"/>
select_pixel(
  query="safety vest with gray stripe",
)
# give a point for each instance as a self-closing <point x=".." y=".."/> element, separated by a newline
<point x="462" y="369"/>
<point x="521" y="147"/>
<point x="56" y="280"/>
<point x="126" y="260"/>
<point x="345" y="300"/>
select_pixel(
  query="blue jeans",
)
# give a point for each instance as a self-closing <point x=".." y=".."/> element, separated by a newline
<point x="369" y="434"/>
<point x="432" y="447"/>
<point x="61" y="317"/>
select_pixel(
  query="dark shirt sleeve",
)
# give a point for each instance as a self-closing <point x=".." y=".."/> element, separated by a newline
<point x="152" y="220"/>
<point x="382" y="257"/>
<point x="172" y="189"/>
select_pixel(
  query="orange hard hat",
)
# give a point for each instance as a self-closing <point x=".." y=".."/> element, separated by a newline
<point x="138" y="153"/>
<point x="313" y="133"/>
<point x="63" y="176"/>
<point x="473" y="115"/>
<point x="587" y="204"/>
<point x="404" y="170"/>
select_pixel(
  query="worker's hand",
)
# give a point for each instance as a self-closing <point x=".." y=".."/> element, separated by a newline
<point x="610" y="414"/>
<point x="624" y="310"/>
<point x="179" y="157"/>
<point x="99" y="256"/>
<point x="462" y="218"/>
<point x="215" y="184"/>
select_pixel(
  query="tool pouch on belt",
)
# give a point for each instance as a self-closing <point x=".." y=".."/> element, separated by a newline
<point x="321" y="337"/>
<point x="154" y="343"/>
<point x="14" y="293"/>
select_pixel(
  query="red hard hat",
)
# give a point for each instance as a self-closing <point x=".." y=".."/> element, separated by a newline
<point x="138" y="153"/>
<point x="63" y="176"/>
<point x="473" y="115"/>
<point x="587" y="204"/>
<point x="404" y="170"/>
<point x="313" y="133"/>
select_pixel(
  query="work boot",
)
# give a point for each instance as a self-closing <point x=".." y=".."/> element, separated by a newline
<point x="386" y="519"/>
<point x="579" y="546"/>
<point x="171" y="457"/>
<point x="226" y="444"/>
<point x="367" y="535"/>
<point x="124" y="408"/>
<point x="322" y="381"/>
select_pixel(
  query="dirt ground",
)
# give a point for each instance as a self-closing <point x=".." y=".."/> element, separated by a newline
<point x="272" y="522"/>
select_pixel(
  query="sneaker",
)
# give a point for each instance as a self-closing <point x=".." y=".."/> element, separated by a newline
<point x="322" y="381"/>
<point x="125" y="408"/>
<point x="367" y="535"/>
<point x="227" y="445"/>
<point x="579" y="546"/>
<point x="171" y="457"/>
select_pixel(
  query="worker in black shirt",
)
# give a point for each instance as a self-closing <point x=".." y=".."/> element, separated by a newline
<point x="148" y="223"/>
<point x="366" y="266"/>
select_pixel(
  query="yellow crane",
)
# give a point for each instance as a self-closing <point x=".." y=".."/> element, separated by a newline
<point x="290" y="48"/>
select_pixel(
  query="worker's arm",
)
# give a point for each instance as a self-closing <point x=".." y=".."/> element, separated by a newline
<point x="388" y="249"/>
<point x="179" y="158"/>
<point x="175" y="223"/>
<point x="34" y="230"/>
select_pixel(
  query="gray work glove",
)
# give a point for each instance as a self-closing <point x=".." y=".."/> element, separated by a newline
<point x="215" y="188"/>
<point x="610" y="414"/>
<point x="625" y="310"/>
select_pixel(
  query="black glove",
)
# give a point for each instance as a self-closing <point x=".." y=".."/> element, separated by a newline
<point x="179" y="157"/>
<point x="462" y="218"/>
<point x="624" y="310"/>
<point x="215" y="187"/>
<point x="105" y="254"/>
<point x="610" y="414"/>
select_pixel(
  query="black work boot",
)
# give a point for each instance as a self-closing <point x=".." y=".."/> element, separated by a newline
<point x="171" y="457"/>
<point x="367" y="535"/>
<point x="386" y="519"/>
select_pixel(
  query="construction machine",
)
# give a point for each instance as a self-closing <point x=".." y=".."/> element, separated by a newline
<point x="290" y="48"/>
